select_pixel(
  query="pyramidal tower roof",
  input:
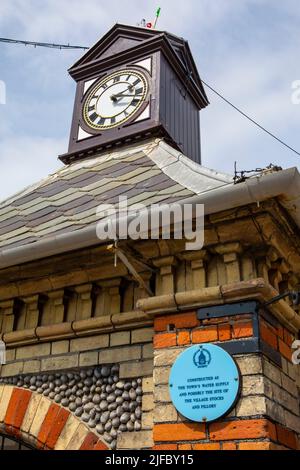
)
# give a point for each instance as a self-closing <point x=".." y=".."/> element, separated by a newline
<point x="123" y="39"/>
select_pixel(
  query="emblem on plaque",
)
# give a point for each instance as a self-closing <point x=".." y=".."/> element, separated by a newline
<point x="202" y="358"/>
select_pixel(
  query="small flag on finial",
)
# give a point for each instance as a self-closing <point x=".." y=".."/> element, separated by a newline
<point x="153" y="25"/>
<point x="157" y="16"/>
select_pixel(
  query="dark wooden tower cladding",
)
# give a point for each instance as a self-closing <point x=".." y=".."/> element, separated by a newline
<point x="171" y="107"/>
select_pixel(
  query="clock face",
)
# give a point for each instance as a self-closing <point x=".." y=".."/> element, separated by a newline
<point x="115" y="99"/>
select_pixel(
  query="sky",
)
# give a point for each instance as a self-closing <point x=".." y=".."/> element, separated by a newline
<point x="247" y="49"/>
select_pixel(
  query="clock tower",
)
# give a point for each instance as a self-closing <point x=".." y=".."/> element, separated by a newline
<point x="133" y="84"/>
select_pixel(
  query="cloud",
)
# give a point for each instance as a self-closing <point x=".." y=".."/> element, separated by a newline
<point x="247" y="49"/>
<point x="26" y="160"/>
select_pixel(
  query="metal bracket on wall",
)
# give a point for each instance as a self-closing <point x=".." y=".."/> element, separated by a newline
<point x="205" y="313"/>
<point x="122" y="256"/>
<point x="242" y="346"/>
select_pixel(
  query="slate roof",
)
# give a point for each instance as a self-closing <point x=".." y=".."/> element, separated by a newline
<point x="152" y="172"/>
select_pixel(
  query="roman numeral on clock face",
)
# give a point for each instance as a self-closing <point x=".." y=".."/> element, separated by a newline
<point x="102" y="122"/>
<point x="93" y="117"/>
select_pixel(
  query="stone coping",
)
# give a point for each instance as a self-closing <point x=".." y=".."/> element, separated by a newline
<point x="91" y="326"/>
<point x="256" y="289"/>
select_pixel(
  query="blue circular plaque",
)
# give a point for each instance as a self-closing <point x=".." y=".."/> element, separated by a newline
<point x="204" y="383"/>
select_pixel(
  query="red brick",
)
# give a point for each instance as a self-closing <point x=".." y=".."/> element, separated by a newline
<point x="268" y="336"/>
<point x="269" y="326"/>
<point x="242" y="318"/>
<point x="242" y="429"/>
<point x="183" y="338"/>
<point x="48" y="422"/>
<point x="288" y="337"/>
<point x="215" y="321"/>
<point x="277" y="447"/>
<point x="254" y="445"/>
<point x="285" y="350"/>
<point x="184" y="447"/>
<point x="181" y="320"/>
<point x="57" y="428"/>
<point x="280" y="331"/>
<point x="286" y="437"/>
<point x="242" y="330"/>
<point x="224" y="332"/>
<point x="179" y="432"/>
<point x="229" y="319"/>
<point x="16" y="410"/>
<point x="165" y="447"/>
<point x="89" y="442"/>
<point x="205" y="335"/>
<point x="100" y="446"/>
<point x="164" y="340"/>
<point x="229" y="446"/>
<point x="209" y="446"/>
<point x="272" y="431"/>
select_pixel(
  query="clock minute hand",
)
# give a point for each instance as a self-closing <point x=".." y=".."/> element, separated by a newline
<point x="121" y="93"/>
<point x="121" y="96"/>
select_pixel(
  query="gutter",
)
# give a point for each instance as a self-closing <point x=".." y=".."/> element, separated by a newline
<point x="284" y="184"/>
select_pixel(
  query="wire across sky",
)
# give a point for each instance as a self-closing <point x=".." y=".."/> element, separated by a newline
<point x="72" y="47"/>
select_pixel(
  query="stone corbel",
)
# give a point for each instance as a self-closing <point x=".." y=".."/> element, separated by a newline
<point x="85" y="301"/>
<point x="198" y="260"/>
<point x="109" y="299"/>
<point x="166" y="266"/>
<point x="230" y="253"/>
<point x="57" y="300"/>
<point x="263" y="264"/>
<point x="32" y="310"/>
<point x="8" y="318"/>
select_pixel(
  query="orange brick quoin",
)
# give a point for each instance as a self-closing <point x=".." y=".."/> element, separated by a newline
<point x="42" y="424"/>
<point x="185" y="329"/>
<point x="179" y="320"/>
<point x="249" y="434"/>
<point x="241" y="433"/>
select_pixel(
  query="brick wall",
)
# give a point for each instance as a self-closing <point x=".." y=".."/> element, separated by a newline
<point x="132" y="350"/>
<point x="265" y="417"/>
<point x="267" y="413"/>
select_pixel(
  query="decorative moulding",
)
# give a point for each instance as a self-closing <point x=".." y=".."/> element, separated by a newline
<point x="148" y="308"/>
<point x="91" y="326"/>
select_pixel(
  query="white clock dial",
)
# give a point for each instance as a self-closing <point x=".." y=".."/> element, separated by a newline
<point x="115" y="99"/>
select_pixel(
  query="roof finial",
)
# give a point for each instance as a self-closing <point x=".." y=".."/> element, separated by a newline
<point x="150" y="25"/>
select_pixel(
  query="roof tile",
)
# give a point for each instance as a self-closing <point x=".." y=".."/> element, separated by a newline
<point x="67" y="200"/>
